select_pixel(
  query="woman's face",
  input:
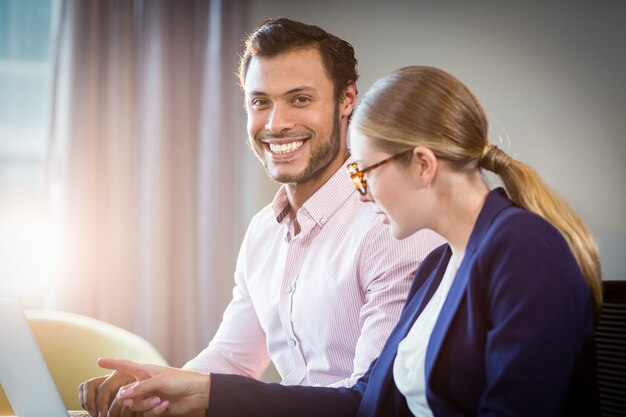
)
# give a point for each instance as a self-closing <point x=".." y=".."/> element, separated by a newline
<point x="389" y="186"/>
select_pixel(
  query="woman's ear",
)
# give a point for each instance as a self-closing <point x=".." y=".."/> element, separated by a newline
<point x="425" y="165"/>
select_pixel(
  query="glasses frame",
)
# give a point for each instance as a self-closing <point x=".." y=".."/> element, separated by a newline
<point x="357" y="175"/>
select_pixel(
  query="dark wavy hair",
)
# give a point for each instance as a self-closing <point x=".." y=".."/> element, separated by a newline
<point x="280" y="35"/>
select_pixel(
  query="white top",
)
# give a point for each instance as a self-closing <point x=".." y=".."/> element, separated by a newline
<point x="320" y="304"/>
<point x="408" y="367"/>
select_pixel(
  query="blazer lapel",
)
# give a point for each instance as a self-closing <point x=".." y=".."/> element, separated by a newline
<point x="417" y="303"/>
<point x="496" y="201"/>
<point x="380" y="384"/>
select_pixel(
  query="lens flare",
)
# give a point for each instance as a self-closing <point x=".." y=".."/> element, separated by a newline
<point x="29" y="255"/>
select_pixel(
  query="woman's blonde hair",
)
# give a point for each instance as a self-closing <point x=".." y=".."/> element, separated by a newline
<point x="425" y="106"/>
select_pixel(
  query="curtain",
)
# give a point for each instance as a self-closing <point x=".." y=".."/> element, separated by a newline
<point x="144" y="165"/>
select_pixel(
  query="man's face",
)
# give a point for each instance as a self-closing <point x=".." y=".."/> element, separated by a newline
<point x="293" y="119"/>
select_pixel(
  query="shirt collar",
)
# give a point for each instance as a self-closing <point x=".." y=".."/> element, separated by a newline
<point x="323" y="204"/>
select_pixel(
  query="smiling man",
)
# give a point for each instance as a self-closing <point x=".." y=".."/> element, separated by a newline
<point x="320" y="281"/>
<point x="296" y="126"/>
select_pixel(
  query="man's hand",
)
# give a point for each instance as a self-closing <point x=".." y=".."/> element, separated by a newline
<point x="160" y="389"/>
<point x="97" y="395"/>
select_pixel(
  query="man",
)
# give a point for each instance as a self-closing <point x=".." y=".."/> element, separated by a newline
<point x="320" y="281"/>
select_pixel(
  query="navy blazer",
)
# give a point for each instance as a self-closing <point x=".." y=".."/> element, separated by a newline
<point x="514" y="336"/>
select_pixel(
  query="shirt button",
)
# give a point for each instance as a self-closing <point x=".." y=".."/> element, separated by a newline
<point x="323" y="220"/>
<point x="292" y="342"/>
<point x="289" y="288"/>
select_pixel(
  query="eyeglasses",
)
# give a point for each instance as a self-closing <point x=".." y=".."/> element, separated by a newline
<point x="357" y="175"/>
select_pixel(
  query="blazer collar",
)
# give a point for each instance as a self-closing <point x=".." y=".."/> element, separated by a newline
<point x="380" y="384"/>
<point x="496" y="201"/>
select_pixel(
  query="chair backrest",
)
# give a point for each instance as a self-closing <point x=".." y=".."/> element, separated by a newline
<point x="610" y="339"/>
<point x="71" y="344"/>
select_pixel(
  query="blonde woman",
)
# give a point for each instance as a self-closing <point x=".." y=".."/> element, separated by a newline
<point x="498" y="322"/>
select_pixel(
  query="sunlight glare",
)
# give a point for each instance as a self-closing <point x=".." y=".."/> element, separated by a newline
<point x="29" y="255"/>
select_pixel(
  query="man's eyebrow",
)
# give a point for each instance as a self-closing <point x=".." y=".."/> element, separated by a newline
<point x="256" y="93"/>
<point x="302" y="89"/>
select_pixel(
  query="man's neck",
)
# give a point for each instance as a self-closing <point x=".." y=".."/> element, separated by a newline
<point x="298" y="194"/>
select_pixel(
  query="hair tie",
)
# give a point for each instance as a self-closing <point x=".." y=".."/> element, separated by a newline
<point x="488" y="147"/>
<point x="493" y="159"/>
<point x="486" y="150"/>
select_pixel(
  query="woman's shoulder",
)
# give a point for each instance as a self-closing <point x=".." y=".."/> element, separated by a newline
<point x="520" y="239"/>
<point x="518" y="225"/>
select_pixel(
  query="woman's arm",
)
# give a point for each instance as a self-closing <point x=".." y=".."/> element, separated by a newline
<point x="162" y="389"/>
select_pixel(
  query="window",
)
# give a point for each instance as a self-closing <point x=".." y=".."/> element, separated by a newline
<point x="27" y="29"/>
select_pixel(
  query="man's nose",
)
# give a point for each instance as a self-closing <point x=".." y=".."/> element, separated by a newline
<point x="280" y="119"/>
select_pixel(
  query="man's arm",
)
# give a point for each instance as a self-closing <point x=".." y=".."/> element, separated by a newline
<point x="386" y="268"/>
<point x="239" y="346"/>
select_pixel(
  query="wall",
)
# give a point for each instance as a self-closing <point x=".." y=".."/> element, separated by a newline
<point x="551" y="77"/>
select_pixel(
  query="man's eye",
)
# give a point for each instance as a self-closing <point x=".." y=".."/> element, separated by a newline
<point x="301" y="100"/>
<point x="258" y="102"/>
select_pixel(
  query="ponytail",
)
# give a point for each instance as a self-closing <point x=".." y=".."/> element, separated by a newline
<point x="425" y="106"/>
<point x="527" y="190"/>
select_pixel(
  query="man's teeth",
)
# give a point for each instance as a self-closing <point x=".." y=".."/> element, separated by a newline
<point x="286" y="147"/>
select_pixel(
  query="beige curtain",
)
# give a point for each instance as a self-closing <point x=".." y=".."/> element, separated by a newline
<point x="145" y="161"/>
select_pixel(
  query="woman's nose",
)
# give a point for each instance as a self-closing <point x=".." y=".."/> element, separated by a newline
<point x="367" y="197"/>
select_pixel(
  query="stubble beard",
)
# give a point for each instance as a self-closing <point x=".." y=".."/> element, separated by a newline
<point x="323" y="153"/>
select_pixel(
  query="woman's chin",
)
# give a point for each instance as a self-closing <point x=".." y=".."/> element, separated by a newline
<point x="396" y="232"/>
<point x="399" y="233"/>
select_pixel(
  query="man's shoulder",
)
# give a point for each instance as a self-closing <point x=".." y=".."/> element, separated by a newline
<point x="267" y="212"/>
<point x="263" y="219"/>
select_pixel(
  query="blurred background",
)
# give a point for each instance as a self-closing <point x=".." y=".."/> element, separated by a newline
<point x="126" y="184"/>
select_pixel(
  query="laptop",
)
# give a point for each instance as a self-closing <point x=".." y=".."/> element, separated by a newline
<point x="24" y="375"/>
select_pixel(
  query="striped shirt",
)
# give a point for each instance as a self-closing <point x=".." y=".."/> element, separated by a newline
<point x="319" y="304"/>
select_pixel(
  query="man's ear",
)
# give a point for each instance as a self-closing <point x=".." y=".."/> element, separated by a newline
<point x="425" y="163"/>
<point x="348" y="101"/>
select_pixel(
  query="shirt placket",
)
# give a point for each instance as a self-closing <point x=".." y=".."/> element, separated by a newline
<point x="296" y="254"/>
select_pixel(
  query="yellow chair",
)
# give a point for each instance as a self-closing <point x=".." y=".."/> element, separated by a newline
<point x="71" y="344"/>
